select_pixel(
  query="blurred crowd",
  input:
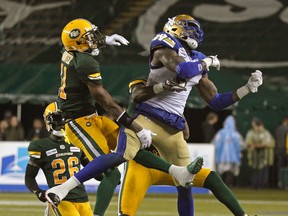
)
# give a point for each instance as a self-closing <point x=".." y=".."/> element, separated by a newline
<point x="266" y="153"/>
<point x="12" y="130"/>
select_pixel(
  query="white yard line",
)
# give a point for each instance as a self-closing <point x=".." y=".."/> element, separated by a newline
<point x="251" y="202"/>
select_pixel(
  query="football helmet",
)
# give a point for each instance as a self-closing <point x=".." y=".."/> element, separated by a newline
<point x="53" y="118"/>
<point x="80" y="35"/>
<point x="186" y="28"/>
<point x="135" y="82"/>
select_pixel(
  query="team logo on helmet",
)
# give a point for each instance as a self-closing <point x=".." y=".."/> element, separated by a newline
<point x="74" y="33"/>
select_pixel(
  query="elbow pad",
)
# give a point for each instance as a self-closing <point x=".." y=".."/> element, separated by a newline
<point x="221" y="101"/>
<point x="189" y="69"/>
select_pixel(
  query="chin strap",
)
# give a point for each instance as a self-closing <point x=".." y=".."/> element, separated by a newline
<point x="65" y="136"/>
<point x="58" y="133"/>
<point x="61" y="133"/>
<point x="95" y="52"/>
<point x="192" y="43"/>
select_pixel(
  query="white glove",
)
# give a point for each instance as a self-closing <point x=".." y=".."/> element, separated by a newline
<point x="116" y="40"/>
<point x="255" y="81"/>
<point x="145" y="137"/>
<point x="212" y="61"/>
<point x="252" y="85"/>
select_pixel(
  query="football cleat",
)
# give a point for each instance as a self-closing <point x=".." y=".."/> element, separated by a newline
<point x="185" y="175"/>
<point x="194" y="167"/>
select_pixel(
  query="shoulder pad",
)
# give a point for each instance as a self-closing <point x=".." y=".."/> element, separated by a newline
<point x="163" y="39"/>
<point x="34" y="150"/>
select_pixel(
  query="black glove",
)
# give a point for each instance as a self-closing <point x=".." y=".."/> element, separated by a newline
<point x="41" y="195"/>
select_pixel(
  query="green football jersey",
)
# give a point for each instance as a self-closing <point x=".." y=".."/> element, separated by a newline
<point x="59" y="161"/>
<point x="77" y="69"/>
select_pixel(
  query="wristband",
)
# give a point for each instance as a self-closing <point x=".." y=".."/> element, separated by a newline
<point x="241" y="92"/>
<point x="124" y="119"/>
<point x="158" y="88"/>
<point x="208" y="62"/>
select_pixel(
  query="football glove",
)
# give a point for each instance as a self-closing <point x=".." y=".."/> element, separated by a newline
<point x="174" y="86"/>
<point x="255" y="81"/>
<point x="41" y="195"/>
<point x="212" y="61"/>
<point x="145" y="137"/>
<point x="116" y="40"/>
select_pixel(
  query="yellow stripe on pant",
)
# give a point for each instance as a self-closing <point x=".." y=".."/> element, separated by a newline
<point x="97" y="135"/>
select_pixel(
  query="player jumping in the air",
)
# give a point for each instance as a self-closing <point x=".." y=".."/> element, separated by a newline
<point x="175" y="68"/>
<point x="81" y="86"/>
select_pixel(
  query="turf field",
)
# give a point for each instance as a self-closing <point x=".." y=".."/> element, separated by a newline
<point x="262" y="202"/>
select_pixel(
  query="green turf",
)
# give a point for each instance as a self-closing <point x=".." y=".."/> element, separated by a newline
<point x="261" y="202"/>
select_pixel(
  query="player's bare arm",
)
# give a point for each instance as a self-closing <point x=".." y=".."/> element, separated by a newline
<point x="141" y="93"/>
<point x="105" y="100"/>
<point x="161" y="57"/>
<point x="172" y="61"/>
<point x="167" y="57"/>
<point x="208" y="90"/>
<point x="218" y="101"/>
<point x="186" y="131"/>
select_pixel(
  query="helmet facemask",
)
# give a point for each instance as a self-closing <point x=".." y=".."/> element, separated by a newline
<point x="55" y="123"/>
<point x="189" y="31"/>
<point x="94" y="39"/>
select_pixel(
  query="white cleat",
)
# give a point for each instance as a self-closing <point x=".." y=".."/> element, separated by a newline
<point x="186" y="174"/>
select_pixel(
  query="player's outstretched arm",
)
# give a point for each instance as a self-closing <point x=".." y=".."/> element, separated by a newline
<point x="140" y="92"/>
<point x="218" y="101"/>
<point x="171" y="60"/>
<point x="116" y="40"/>
<point x="106" y="101"/>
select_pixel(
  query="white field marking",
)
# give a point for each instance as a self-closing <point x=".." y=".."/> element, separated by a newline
<point x="251" y="202"/>
<point x="34" y="203"/>
<point x="21" y="210"/>
<point x="37" y="203"/>
<point x="107" y="212"/>
<point x="110" y="212"/>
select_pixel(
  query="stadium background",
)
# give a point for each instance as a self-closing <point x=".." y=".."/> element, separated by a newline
<point x="246" y="35"/>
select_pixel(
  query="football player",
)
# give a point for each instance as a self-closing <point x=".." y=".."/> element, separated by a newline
<point x="81" y="86"/>
<point x="133" y="189"/>
<point x="59" y="161"/>
<point x="132" y="186"/>
<point x="173" y="58"/>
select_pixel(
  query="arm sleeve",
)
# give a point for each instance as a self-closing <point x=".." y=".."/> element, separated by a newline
<point x="30" y="175"/>
<point x="221" y="101"/>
